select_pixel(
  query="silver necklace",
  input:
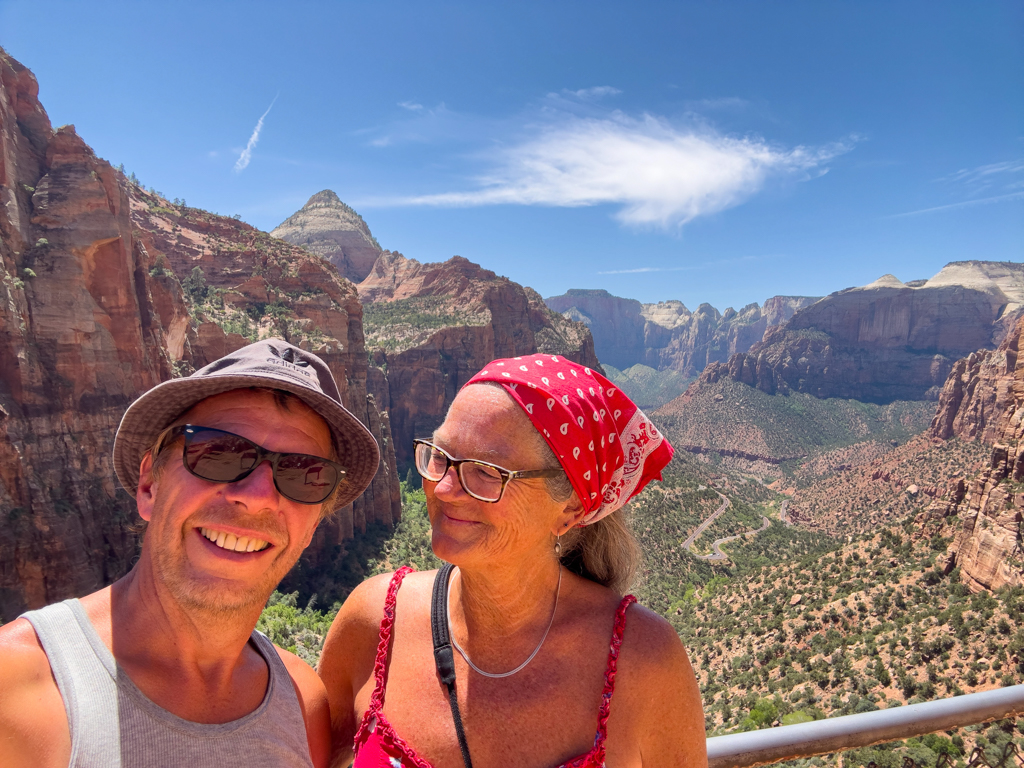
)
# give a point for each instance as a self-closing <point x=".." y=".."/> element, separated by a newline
<point x="536" y="650"/>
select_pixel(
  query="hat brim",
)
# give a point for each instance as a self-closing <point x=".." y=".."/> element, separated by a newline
<point x="156" y="410"/>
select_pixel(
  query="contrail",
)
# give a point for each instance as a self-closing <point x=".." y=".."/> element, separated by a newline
<point x="246" y="156"/>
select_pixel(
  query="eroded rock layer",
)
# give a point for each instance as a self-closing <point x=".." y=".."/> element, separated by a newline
<point x="430" y="327"/>
<point x="330" y="229"/>
<point x="886" y="341"/>
<point x="983" y="399"/>
<point x="667" y="335"/>
<point x="106" y="290"/>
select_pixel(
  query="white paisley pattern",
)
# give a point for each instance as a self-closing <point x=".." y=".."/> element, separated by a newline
<point x="639" y="440"/>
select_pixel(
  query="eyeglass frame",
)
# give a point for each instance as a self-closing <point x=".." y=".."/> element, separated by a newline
<point x="171" y="434"/>
<point x="506" y="474"/>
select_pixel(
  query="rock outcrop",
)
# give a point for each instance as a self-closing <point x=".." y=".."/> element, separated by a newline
<point x="886" y="341"/>
<point x="330" y="229"/>
<point x="430" y="327"/>
<point x="983" y="399"/>
<point x="667" y="335"/>
<point x="106" y="290"/>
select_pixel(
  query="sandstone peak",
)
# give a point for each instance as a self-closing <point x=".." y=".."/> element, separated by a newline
<point x="885" y="281"/>
<point x="992" y="277"/>
<point x="333" y="231"/>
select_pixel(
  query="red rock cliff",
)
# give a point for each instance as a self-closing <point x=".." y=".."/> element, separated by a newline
<point x="886" y="341"/>
<point x="983" y="399"/>
<point x="93" y="312"/>
<point x="432" y="326"/>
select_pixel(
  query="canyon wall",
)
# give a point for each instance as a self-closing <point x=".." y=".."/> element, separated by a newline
<point x="106" y="290"/>
<point x="886" y="341"/>
<point x="667" y="335"/>
<point x="431" y="327"/>
<point x="983" y="399"/>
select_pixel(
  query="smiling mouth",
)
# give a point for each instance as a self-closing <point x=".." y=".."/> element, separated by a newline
<point x="233" y="543"/>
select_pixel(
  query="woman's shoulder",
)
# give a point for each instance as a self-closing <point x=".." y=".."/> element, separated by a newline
<point x="366" y="601"/>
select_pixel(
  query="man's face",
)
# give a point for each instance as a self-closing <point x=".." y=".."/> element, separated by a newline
<point x="208" y="574"/>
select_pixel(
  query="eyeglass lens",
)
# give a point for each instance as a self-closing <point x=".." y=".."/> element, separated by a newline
<point x="478" y="480"/>
<point x="222" y="457"/>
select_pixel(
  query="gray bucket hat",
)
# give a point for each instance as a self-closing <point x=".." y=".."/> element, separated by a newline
<point x="270" y="364"/>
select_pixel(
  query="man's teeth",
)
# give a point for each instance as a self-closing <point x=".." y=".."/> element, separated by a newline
<point x="232" y="542"/>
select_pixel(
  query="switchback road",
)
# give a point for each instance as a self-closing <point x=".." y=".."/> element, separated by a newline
<point x="704" y="526"/>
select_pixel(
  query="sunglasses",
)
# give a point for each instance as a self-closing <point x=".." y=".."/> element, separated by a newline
<point x="223" y="457"/>
<point x="480" y="479"/>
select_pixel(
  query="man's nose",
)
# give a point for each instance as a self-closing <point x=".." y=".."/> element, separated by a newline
<point x="256" y="490"/>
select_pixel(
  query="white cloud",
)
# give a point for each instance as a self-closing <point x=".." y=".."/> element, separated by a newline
<point x="659" y="174"/>
<point x="963" y="204"/>
<point x="590" y="94"/>
<point x="412" y="106"/>
<point x="246" y="156"/>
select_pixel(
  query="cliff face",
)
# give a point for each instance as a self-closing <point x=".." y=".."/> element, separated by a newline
<point x="432" y="326"/>
<point x="330" y="229"/>
<point x="886" y="341"/>
<point x="983" y="399"/>
<point x="667" y="335"/>
<point x="100" y="299"/>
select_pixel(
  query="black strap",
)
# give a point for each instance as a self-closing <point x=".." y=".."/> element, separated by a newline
<point x="444" y="658"/>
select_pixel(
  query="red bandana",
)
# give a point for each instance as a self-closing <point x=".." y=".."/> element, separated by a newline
<point x="607" y="446"/>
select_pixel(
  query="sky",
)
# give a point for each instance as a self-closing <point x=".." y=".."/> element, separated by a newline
<point x="716" y="152"/>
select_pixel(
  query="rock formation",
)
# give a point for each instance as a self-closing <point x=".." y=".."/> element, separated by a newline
<point x="886" y="341"/>
<point x="983" y="399"/>
<point x="667" y="335"/>
<point x="106" y="290"/>
<point x="330" y="229"/>
<point x="430" y="327"/>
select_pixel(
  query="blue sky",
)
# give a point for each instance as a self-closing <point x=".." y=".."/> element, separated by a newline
<point x="721" y="152"/>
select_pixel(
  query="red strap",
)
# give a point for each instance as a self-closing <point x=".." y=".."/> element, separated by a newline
<point x="387" y="623"/>
<point x="609" y="676"/>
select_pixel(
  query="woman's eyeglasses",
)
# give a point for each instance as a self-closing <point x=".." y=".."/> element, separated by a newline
<point x="480" y="479"/>
<point x="223" y="457"/>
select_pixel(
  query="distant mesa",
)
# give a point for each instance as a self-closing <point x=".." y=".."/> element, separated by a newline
<point x="667" y="335"/>
<point x="885" y="341"/>
<point x="330" y="229"/>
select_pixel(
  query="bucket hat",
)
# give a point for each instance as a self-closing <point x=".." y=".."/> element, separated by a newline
<point x="270" y="364"/>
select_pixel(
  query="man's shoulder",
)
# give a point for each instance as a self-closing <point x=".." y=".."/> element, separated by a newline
<point x="33" y="728"/>
<point x="22" y="653"/>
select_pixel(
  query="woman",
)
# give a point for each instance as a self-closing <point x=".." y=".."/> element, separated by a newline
<point x="524" y="481"/>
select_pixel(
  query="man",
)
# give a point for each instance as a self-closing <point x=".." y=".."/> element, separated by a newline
<point x="232" y="469"/>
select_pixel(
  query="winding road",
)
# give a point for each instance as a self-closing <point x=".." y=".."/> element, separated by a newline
<point x="716" y="547"/>
<point x="704" y="526"/>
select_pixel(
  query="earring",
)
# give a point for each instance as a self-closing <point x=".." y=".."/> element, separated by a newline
<point x="558" y="546"/>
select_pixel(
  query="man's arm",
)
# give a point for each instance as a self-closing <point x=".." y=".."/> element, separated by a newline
<point x="315" y="708"/>
<point x="346" y="664"/>
<point x="33" y="724"/>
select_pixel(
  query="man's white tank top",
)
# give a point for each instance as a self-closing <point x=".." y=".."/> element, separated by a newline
<point x="114" y="725"/>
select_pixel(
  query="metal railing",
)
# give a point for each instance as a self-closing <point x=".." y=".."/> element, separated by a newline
<point x="836" y="734"/>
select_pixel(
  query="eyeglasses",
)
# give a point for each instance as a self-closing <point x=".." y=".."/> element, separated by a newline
<point x="480" y="479"/>
<point x="223" y="457"/>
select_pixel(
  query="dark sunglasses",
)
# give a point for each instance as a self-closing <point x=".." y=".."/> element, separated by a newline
<point x="223" y="457"/>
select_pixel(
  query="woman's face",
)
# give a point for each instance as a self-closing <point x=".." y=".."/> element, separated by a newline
<point x="485" y="423"/>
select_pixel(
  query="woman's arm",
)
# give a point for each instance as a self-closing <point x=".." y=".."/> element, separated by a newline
<point x="346" y="664"/>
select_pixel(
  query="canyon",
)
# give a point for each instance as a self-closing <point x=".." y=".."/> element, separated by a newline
<point x="107" y="288"/>
<point x="668" y="336"/>
<point x="885" y="341"/>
